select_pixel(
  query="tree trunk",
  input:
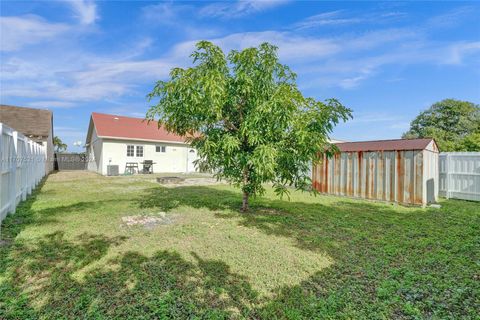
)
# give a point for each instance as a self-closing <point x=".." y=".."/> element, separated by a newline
<point x="245" y="193"/>
<point x="245" y="202"/>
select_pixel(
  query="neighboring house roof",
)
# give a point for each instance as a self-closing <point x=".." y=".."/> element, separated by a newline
<point x="129" y="128"/>
<point x="384" y="145"/>
<point x="332" y="140"/>
<point x="33" y="123"/>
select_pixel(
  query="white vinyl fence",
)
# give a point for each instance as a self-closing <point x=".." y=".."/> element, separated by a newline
<point x="460" y="175"/>
<point x="22" y="166"/>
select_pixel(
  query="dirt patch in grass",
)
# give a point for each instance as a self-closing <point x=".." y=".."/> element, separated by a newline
<point x="4" y="242"/>
<point x="193" y="182"/>
<point x="147" y="221"/>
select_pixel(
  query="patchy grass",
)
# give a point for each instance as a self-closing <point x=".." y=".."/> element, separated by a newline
<point x="67" y="253"/>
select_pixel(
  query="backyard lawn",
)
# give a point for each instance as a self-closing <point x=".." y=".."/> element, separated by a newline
<point x="87" y="246"/>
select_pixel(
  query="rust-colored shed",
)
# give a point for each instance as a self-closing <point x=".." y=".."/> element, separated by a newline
<point x="403" y="171"/>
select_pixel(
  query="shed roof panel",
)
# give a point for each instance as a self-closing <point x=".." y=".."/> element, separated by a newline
<point x="384" y="145"/>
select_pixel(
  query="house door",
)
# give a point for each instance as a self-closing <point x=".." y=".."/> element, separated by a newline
<point x="191" y="157"/>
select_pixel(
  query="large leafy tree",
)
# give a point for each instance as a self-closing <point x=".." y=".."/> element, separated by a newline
<point x="246" y="117"/>
<point x="59" y="145"/>
<point x="454" y="124"/>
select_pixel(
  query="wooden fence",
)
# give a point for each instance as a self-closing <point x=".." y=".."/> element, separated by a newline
<point x="460" y="175"/>
<point x="22" y="167"/>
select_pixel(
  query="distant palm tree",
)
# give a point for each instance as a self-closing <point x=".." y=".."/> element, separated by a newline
<point x="59" y="145"/>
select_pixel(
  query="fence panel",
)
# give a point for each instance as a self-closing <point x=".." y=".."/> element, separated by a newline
<point x="22" y="166"/>
<point x="460" y="175"/>
<point x="71" y="161"/>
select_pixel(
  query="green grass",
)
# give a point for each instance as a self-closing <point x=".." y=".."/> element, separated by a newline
<point x="66" y="254"/>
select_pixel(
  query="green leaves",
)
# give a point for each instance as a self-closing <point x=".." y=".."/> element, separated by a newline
<point x="59" y="145"/>
<point x="452" y="123"/>
<point x="253" y="124"/>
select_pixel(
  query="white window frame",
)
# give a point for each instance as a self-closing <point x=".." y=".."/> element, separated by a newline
<point x="138" y="148"/>
<point x="162" y="148"/>
<point x="132" y="151"/>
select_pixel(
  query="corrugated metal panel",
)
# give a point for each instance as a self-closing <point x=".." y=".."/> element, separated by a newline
<point x="460" y="175"/>
<point x="396" y="176"/>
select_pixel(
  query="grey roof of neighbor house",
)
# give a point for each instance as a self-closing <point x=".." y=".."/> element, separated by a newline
<point x="33" y="123"/>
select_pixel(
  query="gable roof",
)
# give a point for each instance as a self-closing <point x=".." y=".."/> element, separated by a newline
<point x="129" y="128"/>
<point x="33" y="123"/>
<point x="384" y="145"/>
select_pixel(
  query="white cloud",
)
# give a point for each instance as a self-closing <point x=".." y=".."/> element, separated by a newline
<point x="457" y="52"/>
<point x="165" y="13"/>
<point x="19" y="69"/>
<point x="341" y="18"/>
<point x="235" y="9"/>
<point x="291" y="47"/>
<point x="452" y="17"/>
<point x="326" y="18"/>
<point x="349" y="83"/>
<point x="20" y="31"/>
<point x="64" y="92"/>
<point x="51" y="104"/>
<point x="98" y="80"/>
<point x="84" y="10"/>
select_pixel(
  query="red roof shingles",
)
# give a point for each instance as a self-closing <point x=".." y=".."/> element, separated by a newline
<point x="112" y="126"/>
<point x="384" y="145"/>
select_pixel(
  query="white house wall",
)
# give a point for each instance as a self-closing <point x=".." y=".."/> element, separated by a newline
<point x="95" y="153"/>
<point x="49" y="164"/>
<point x="177" y="158"/>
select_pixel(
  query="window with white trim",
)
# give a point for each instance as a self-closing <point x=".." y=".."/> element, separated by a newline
<point x="160" y="149"/>
<point x="140" y="151"/>
<point x="130" y="151"/>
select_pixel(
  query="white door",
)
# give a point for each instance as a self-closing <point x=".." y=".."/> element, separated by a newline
<point x="191" y="157"/>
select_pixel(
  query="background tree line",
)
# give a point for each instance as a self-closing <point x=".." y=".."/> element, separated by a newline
<point x="454" y="124"/>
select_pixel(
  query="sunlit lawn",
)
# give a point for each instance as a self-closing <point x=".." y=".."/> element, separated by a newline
<point x="67" y="253"/>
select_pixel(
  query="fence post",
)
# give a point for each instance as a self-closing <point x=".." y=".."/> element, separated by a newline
<point x="24" y="173"/>
<point x="29" y="167"/>
<point x="447" y="174"/>
<point x="13" y="174"/>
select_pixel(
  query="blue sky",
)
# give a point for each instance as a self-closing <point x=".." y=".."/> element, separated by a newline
<point x="385" y="60"/>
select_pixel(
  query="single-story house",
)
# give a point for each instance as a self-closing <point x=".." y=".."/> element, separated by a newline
<point x="36" y="124"/>
<point x="114" y="140"/>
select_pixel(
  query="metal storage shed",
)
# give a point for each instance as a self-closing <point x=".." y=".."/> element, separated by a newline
<point x="403" y="171"/>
